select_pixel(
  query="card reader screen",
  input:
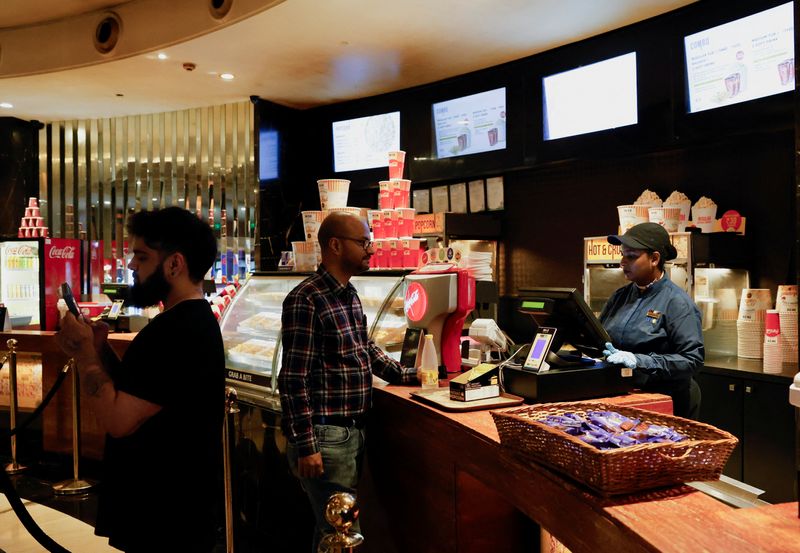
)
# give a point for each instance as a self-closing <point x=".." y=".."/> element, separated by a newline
<point x="539" y="348"/>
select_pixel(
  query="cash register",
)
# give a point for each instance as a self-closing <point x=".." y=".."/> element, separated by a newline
<point x="563" y="362"/>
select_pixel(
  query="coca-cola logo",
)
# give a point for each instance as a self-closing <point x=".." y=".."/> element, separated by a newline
<point x="67" y="252"/>
<point x="23" y="250"/>
<point x="416" y="303"/>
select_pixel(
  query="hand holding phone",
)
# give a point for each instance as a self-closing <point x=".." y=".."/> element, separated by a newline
<point x="69" y="299"/>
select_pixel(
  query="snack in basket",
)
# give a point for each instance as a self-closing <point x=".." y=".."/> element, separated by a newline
<point x="705" y="202"/>
<point x="676" y="197"/>
<point x="608" y="429"/>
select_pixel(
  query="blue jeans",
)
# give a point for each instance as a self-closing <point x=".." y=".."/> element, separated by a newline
<point x="342" y="454"/>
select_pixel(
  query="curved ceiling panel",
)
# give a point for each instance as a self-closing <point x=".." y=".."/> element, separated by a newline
<point x="145" y="25"/>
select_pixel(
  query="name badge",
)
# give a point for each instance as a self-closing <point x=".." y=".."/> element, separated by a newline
<point x="654" y="314"/>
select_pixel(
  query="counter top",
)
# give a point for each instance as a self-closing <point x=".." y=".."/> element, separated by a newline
<point x="742" y="367"/>
<point x="417" y="451"/>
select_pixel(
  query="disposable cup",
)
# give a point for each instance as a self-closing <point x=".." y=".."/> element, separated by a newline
<point x="375" y="217"/>
<point x="401" y="190"/>
<point x="772" y="326"/>
<point x="405" y="227"/>
<point x="333" y="192"/>
<point x="385" y="195"/>
<point x="33" y="202"/>
<point x="704" y="217"/>
<point x="754" y="304"/>
<point x="395" y="254"/>
<point x="631" y="215"/>
<point x="412" y="253"/>
<point x="389" y="221"/>
<point x="357" y="211"/>
<point x="381" y="248"/>
<point x="786" y="301"/>
<point x="29" y="212"/>
<point x="311" y="223"/>
<point x="667" y="217"/>
<point x="397" y="160"/>
<point x="685" y="210"/>
<point x="305" y="256"/>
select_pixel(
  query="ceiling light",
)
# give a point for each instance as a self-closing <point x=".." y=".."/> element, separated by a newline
<point x="6" y="105"/>
<point x="162" y="56"/>
<point x="227" y="76"/>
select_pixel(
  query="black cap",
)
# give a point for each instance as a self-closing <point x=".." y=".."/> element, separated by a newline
<point x="646" y="236"/>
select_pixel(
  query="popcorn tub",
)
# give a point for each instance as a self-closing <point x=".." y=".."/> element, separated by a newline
<point x="333" y="192"/>
<point x="701" y="456"/>
<point x="632" y="215"/>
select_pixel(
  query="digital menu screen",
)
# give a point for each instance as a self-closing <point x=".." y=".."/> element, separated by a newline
<point x="470" y="124"/>
<point x="591" y="98"/>
<point x="364" y="143"/>
<point x="269" y="154"/>
<point x="745" y="59"/>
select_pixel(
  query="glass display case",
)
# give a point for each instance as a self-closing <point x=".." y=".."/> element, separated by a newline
<point x="251" y="327"/>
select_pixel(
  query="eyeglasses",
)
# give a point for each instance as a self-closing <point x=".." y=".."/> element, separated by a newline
<point x="363" y="242"/>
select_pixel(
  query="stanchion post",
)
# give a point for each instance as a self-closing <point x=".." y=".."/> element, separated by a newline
<point x="13" y="467"/>
<point x="231" y="408"/>
<point x="75" y="485"/>
<point x="341" y="512"/>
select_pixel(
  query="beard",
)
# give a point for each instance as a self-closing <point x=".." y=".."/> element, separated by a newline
<point x="151" y="291"/>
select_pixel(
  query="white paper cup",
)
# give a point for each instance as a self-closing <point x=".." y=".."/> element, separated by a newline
<point x="704" y="217"/>
<point x="311" y="223"/>
<point x="754" y="304"/>
<point x="397" y="160"/>
<point x="305" y="256"/>
<point x="667" y="217"/>
<point x="686" y="208"/>
<point x="333" y="192"/>
<point x="786" y="301"/>
<point x="631" y="215"/>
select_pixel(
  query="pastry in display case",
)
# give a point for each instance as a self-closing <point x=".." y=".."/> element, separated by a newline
<point x="251" y="327"/>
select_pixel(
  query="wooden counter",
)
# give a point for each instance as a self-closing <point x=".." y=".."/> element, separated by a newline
<point x="441" y="482"/>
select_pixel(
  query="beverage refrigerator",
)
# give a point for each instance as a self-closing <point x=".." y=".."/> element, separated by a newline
<point x="31" y="270"/>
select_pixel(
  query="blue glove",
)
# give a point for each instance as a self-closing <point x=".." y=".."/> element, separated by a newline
<point x="613" y="355"/>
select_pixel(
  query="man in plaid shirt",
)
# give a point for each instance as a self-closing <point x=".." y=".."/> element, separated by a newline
<point x="325" y="381"/>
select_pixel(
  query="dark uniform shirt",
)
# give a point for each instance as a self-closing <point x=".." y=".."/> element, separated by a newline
<point x="661" y="326"/>
<point x="328" y="360"/>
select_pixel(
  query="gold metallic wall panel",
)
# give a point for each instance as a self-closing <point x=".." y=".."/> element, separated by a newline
<point x="92" y="173"/>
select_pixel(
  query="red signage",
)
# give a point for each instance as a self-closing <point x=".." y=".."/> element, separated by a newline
<point x="731" y="220"/>
<point x="416" y="303"/>
<point x="67" y="252"/>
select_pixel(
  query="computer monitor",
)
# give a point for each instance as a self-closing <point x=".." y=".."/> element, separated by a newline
<point x="566" y="310"/>
<point x="116" y="291"/>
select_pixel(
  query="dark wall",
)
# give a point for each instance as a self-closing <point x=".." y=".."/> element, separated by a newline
<point x="19" y="155"/>
<point x="560" y="191"/>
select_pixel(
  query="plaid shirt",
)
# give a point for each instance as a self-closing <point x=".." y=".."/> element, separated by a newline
<point x="327" y="358"/>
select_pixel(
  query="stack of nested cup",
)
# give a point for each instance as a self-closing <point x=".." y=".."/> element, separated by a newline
<point x="32" y="224"/>
<point x="392" y="223"/>
<point x="786" y="305"/>
<point x="750" y="325"/>
<point x="773" y="355"/>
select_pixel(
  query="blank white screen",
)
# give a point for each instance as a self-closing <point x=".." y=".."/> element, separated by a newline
<point x="591" y="98"/>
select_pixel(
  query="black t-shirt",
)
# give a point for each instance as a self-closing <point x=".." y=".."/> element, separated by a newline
<point x="162" y="483"/>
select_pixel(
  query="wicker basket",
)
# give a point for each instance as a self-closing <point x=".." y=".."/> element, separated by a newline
<point x="616" y="471"/>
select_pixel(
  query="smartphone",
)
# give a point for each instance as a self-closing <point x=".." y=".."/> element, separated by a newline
<point x="69" y="299"/>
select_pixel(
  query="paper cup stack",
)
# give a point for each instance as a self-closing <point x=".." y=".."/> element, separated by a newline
<point x="786" y="306"/>
<point x="479" y="265"/>
<point x="773" y="355"/>
<point x="750" y="325"/>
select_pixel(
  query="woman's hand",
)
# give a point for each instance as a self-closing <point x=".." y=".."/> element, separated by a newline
<point x="613" y="355"/>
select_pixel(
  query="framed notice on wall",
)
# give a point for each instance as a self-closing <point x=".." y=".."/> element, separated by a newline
<point x="477" y="196"/>
<point x="458" y="197"/>
<point x="440" y="200"/>
<point x="494" y="193"/>
<point x="422" y="201"/>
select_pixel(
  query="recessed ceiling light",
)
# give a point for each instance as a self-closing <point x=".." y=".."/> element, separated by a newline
<point x="227" y="76"/>
<point x="6" y="105"/>
<point x="162" y="56"/>
<point x="119" y="95"/>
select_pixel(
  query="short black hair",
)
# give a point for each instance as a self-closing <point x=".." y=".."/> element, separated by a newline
<point x="174" y="229"/>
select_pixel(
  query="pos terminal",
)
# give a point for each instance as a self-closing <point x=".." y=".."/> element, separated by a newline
<point x="563" y="362"/>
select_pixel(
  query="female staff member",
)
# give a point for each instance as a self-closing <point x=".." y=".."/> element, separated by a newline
<point x="654" y="326"/>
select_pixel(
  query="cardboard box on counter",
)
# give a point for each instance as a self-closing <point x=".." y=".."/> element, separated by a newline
<point x="480" y="382"/>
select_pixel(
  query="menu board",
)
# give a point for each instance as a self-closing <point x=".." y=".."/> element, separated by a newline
<point x="470" y="124"/>
<point x="364" y="143"/>
<point x="591" y="98"/>
<point x="748" y="58"/>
